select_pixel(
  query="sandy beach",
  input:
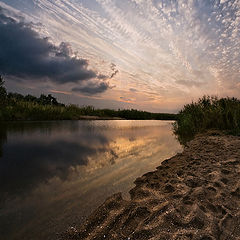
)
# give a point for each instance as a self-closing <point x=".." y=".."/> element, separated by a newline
<point x="193" y="195"/>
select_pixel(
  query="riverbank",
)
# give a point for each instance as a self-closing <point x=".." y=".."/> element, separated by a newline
<point x="99" y="118"/>
<point x="18" y="107"/>
<point x="31" y="111"/>
<point x="193" y="195"/>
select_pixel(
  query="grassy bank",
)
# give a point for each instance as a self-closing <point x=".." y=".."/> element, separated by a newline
<point x="23" y="110"/>
<point x="208" y="113"/>
<point x="15" y="106"/>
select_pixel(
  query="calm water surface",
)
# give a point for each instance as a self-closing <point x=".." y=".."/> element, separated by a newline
<point x="54" y="174"/>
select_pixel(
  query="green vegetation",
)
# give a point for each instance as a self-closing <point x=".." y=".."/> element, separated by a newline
<point x="208" y="113"/>
<point x="15" y="106"/>
<point x="3" y="92"/>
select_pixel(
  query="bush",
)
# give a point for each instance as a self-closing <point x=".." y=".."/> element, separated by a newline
<point x="208" y="113"/>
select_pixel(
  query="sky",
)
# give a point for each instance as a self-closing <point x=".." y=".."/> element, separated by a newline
<point x="153" y="55"/>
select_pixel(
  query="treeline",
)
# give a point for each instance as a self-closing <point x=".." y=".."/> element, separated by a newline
<point x="131" y="114"/>
<point x="13" y="98"/>
<point x="208" y="113"/>
<point x="15" y="106"/>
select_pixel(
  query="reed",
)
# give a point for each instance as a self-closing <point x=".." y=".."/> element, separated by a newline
<point x="208" y="113"/>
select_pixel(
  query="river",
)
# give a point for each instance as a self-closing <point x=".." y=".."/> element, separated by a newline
<point x="54" y="174"/>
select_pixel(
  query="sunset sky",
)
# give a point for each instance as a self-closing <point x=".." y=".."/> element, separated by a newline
<point x="153" y="55"/>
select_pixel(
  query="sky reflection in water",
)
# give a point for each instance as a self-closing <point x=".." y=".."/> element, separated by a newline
<point x="53" y="174"/>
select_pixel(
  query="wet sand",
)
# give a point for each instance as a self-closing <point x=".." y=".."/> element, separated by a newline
<point x="193" y="195"/>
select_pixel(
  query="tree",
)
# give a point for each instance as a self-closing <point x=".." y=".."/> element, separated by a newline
<point x="3" y="92"/>
<point x="52" y="100"/>
<point x="30" y="98"/>
<point x="47" y="100"/>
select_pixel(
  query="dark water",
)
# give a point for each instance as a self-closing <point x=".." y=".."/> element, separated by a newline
<point x="54" y="174"/>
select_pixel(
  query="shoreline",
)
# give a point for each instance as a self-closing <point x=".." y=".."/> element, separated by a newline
<point x="193" y="195"/>
<point x="83" y="117"/>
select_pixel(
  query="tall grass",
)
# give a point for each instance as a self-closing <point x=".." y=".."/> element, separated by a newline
<point x="23" y="110"/>
<point x="208" y="113"/>
<point x="27" y="110"/>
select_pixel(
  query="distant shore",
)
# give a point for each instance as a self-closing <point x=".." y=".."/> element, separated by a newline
<point x="99" y="118"/>
<point x="193" y="195"/>
<point x="81" y="117"/>
<point x="18" y="107"/>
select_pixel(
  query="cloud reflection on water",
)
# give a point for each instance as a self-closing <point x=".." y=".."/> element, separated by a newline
<point x="48" y="167"/>
<point x="34" y="154"/>
<point x="32" y="158"/>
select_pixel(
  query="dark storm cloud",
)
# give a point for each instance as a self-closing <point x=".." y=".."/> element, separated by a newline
<point x="24" y="54"/>
<point x="92" y="88"/>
